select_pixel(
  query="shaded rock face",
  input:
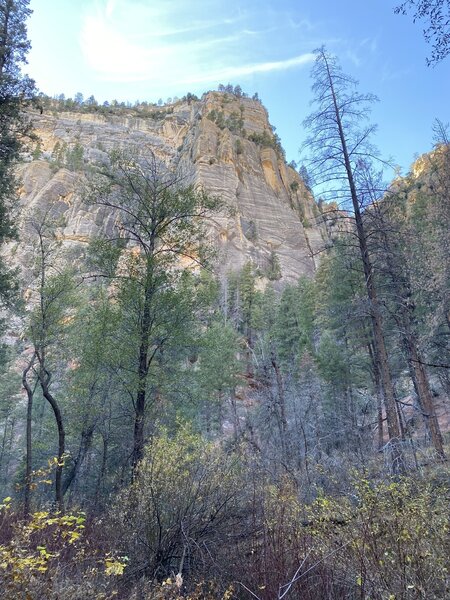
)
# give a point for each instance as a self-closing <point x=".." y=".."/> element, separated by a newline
<point x="221" y="142"/>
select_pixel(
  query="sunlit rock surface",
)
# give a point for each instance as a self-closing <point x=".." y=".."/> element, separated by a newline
<point x="209" y="142"/>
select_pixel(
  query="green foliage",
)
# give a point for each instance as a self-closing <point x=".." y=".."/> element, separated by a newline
<point x="162" y="225"/>
<point x="234" y="122"/>
<point x="16" y="93"/>
<point x="10" y="414"/>
<point x="307" y="179"/>
<point x="74" y="158"/>
<point x="295" y="322"/>
<point x="217" y="373"/>
<point x="52" y="317"/>
<point x="273" y="272"/>
<point x="246" y="294"/>
<point x="189" y="98"/>
<point x="69" y="157"/>
<point x="249" y="230"/>
<point x="394" y="542"/>
<point x="37" y="152"/>
<point x="267" y="140"/>
<point x="183" y="499"/>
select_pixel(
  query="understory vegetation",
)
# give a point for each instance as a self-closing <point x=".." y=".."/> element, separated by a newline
<point x="189" y="437"/>
<point x="170" y="433"/>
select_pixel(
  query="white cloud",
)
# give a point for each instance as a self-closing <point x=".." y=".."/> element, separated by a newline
<point x="110" y="6"/>
<point x="244" y="70"/>
<point x="126" y="41"/>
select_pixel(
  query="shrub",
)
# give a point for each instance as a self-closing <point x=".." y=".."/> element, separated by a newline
<point x="48" y="556"/>
<point x="267" y="140"/>
<point x="274" y="267"/>
<point x="181" y="509"/>
<point x="385" y="540"/>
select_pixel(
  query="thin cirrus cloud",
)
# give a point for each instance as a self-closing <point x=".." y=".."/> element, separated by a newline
<point x="266" y="67"/>
<point x="123" y="41"/>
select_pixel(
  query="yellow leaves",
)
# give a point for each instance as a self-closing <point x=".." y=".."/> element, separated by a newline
<point x="73" y="536"/>
<point x="228" y="594"/>
<point x="58" y="462"/>
<point x="6" y="504"/>
<point x="45" y="555"/>
<point x="39" y="516"/>
<point x="115" y="565"/>
<point x="39" y="547"/>
<point x="21" y="556"/>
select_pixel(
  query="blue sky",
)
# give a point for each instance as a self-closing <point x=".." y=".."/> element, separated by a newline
<point x="151" y="49"/>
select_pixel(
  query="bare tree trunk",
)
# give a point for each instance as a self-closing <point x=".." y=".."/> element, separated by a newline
<point x="44" y="380"/>
<point x="139" y="420"/>
<point x="379" y="395"/>
<point x="2" y="453"/>
<point x="28" y="460"/>
<point x="281" y="413"/>
<point x="10" y="445"/>
<point x="101" y="475"/>
<point x="143" y="368"/>
<point x="85" y="444"/>
<point x="424" y="395"/>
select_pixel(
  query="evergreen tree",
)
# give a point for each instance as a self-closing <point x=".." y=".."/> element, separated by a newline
<point x="16" y="91"/>
<point x="161" y="222"/>
<point x="340" y="145"/>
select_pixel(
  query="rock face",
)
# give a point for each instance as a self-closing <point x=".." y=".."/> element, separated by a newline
<point x="221" y="142"/>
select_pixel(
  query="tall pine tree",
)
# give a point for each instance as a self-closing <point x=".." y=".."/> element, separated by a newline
<point x="16" y="91"/>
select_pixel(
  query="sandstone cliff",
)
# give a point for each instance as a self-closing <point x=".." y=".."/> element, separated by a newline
<point x="221" y="142"/>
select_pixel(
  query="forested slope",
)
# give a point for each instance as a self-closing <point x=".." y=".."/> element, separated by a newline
<point x="212" y="386"/>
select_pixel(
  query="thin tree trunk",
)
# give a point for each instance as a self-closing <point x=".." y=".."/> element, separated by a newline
<point x="139" y="421"/>
<point x="281" y="405"/>
<point x="28" y="460"/>
<point x="143" y="368"/>
<point x="379" y="396"/>
<point x="2" y="453"/>
<point x="101" y="475"/>
<point x="85" y="444"/>
<point x="10" y="445"/>
<point x="44" y="380"/>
